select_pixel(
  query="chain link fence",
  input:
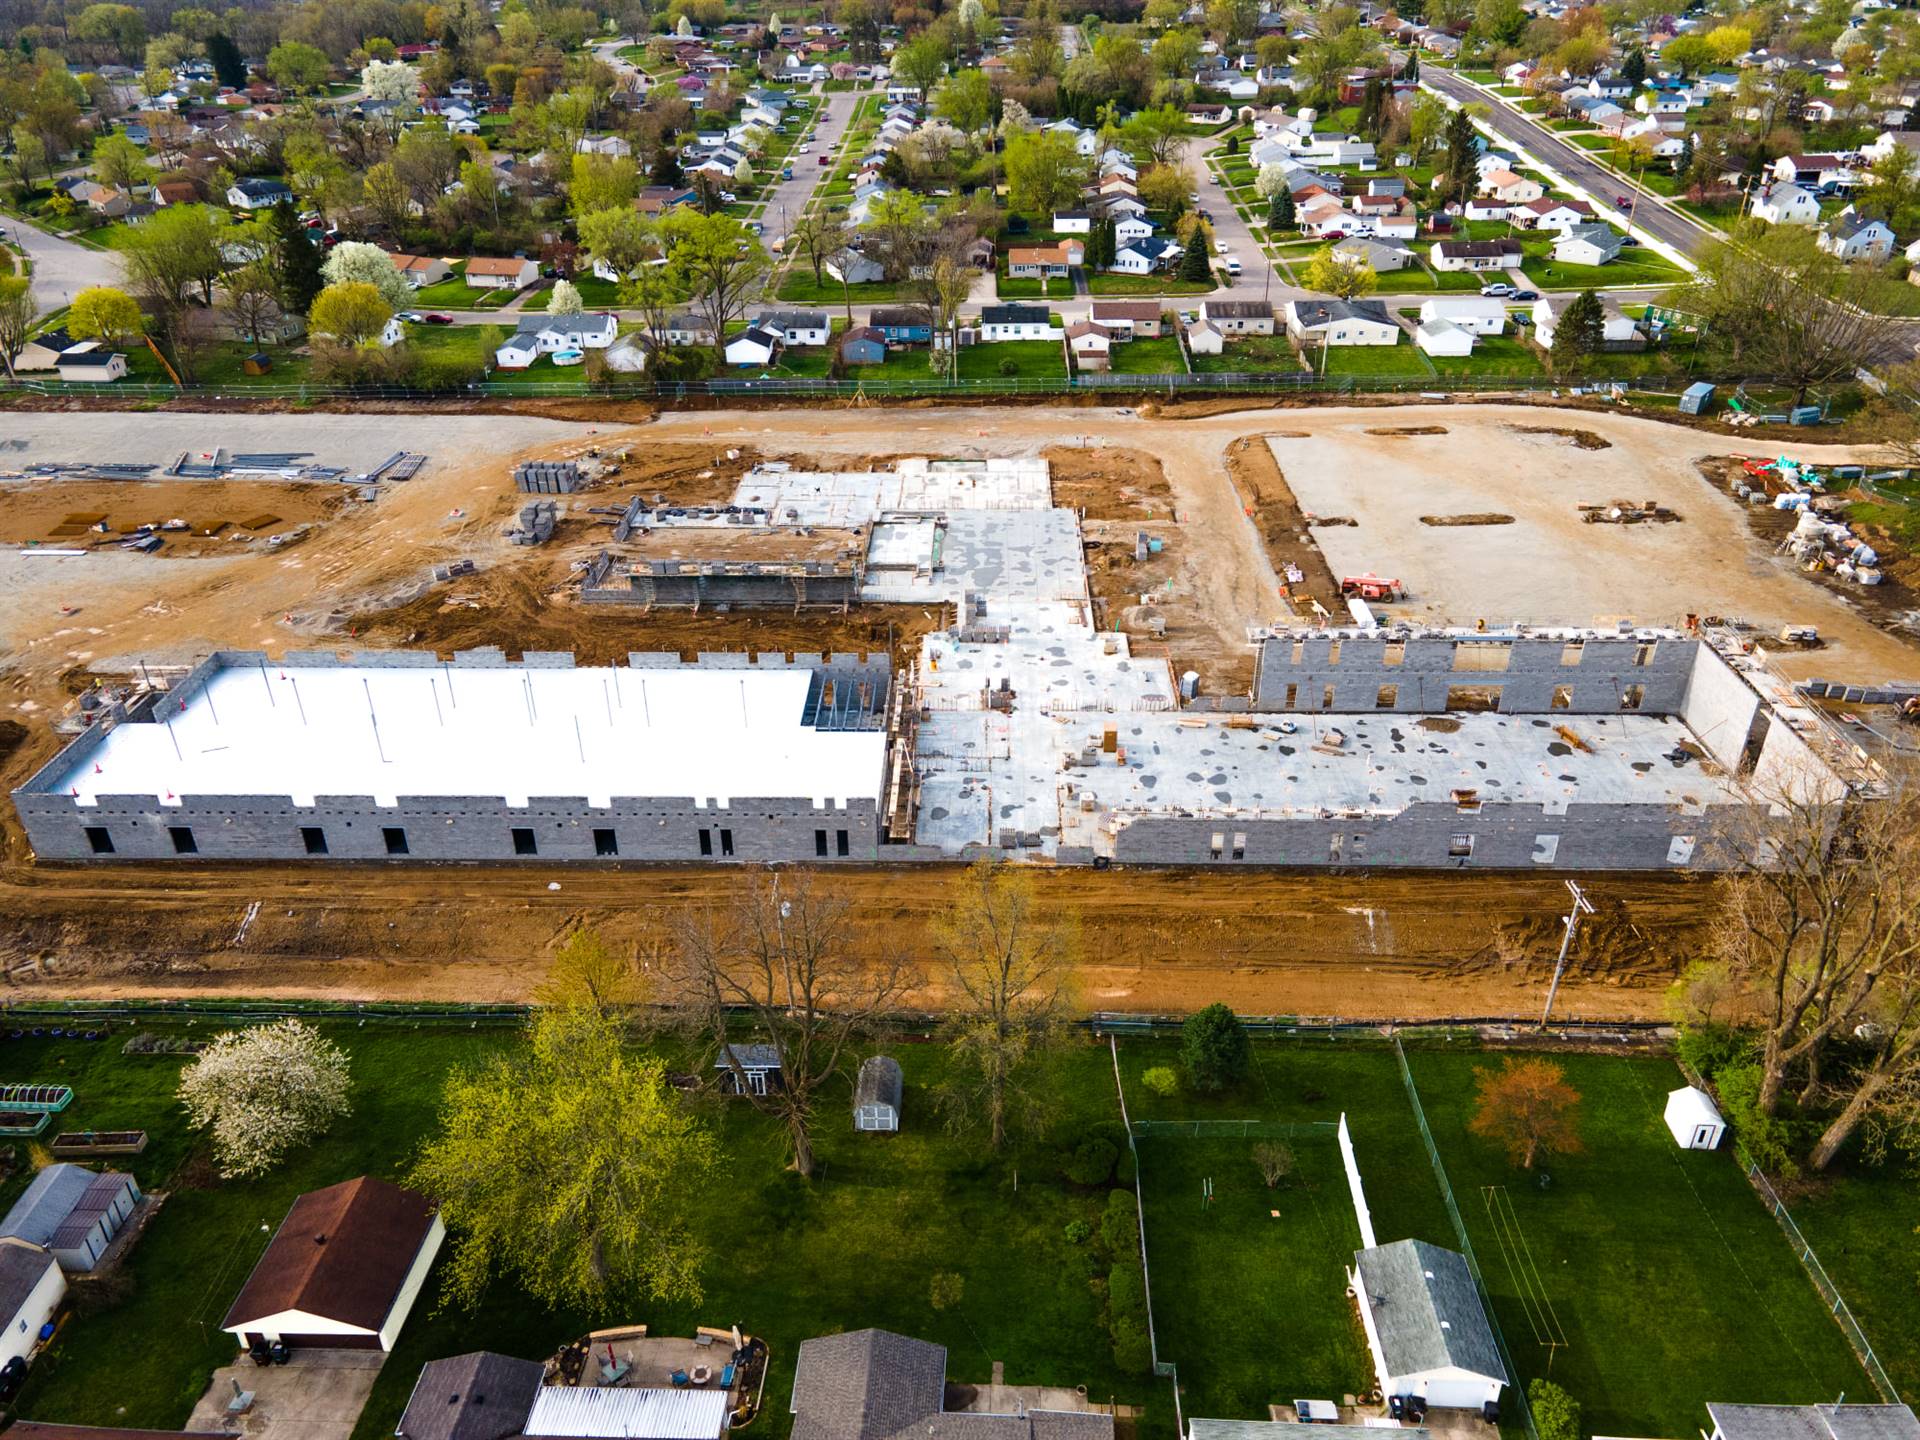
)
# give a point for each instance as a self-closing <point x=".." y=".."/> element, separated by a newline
<point x="1231" y="1129"/>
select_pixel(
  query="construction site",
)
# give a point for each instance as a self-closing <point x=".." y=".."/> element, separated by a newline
<point x="1081" y="619"/>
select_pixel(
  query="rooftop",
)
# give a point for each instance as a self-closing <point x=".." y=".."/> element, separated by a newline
<point x="342" y="1253"/>
<point x="1427" y="1310"/>
<point x="1813" y="1422"/>
<point x="513" y="731"/>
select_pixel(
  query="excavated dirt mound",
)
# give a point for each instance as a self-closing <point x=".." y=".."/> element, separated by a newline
<point x="1479" y="517"/>
<point x="218" y="514"/>
<point x="1397" y="430"/>
<point x="1269" y="502"/>
<point x="1580" y="439"/>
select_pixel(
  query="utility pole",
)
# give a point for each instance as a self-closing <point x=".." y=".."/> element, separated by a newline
<point x="1581" y="906"/>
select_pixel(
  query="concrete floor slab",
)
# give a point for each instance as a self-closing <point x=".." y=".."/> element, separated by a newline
<point x="317" y="1397"/>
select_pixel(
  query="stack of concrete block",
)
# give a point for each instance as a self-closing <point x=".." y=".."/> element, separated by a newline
<point x="547" y="477"/>
<point x="536" y="523"/>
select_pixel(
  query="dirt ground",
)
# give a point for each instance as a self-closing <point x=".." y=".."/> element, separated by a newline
<point x="219" y="514"/>
<point x="1368" y="944"/>
<point x="1270" y="504"/>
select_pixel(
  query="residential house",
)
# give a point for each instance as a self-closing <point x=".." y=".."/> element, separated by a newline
<point x="901" y="325"/>
<point x="1385" y="256"/>
<point x="1051" y="262"/>
<point x="476" y="1396"/>
<point x="1091" y="345"/>
<point x="1853" y="236"/>
<point x="1239" y="317"/>
<point x="615" y="145"/>
<point x="43" y="351"/>
<point x="1341" y="322"/>
<point x="1485" y="207"/>
<point x="1785" y="203"/>
<point x="1476" y="314"/>
<point x="1816" y="172"/>
<point x="1617" y="332"/>
<point x="1443" y="338"/>
<point x="853" y="267"/>
<point x="753" y="346"/>
<point x="1838" y="1421"/>
<point x="1127" y="319"/>
<point x="1072" y="222"/>
<point x="1479" y="255"/>
<point x="1129" y="228"/>
<point x="1506" y="186"/>
<point x="685" y="328"/>
<point x="103" y="201"/>
<point x="32" y="1286"/>
<point x="419" y="271"/>
<point x="90" y="363"/>
<point x="500" y="272"/>
<point x="342" y="1271"/>
<point x="796" y="327"/>
<point x="1426" y="1327"/>
<point x="1204" y="338"/>
<point x="1146" y="256"/>
<point x="553" y="334"/>
<point x="1594" y="244"/>
<point x="1889" y="141"/>
<point x="863" y="345"/>
<point x="659" y="199"/>
<point x="176" y="192"/>
<point x="1549" y="214"/>
<point x="1324" y="217"/>
<point x="256" y="194"/>
<point x="1017" y="322"/>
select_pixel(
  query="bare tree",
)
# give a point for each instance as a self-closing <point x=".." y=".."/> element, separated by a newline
<point x="779" y="955"/>
<point x="1275" y="1159"/>
<point x="818" y="236"/>
<point x="1009" y="960"/>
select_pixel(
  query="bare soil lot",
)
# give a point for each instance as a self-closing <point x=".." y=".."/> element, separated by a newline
<point x="218" y="514"/>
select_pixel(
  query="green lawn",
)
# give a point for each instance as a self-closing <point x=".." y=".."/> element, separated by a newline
<point x="1862" y="1223"/>
<point x="1113" y="286"/>
<point x="595" y="293"/>
<point x="1419" y="280"/>
<point x="789" y="1259"/>
<point x="1149" y="357"/>
<point x="449" y="294"/>
<point x="797" y="287"/>
<point x="1251" y="354"/>
<point x="1494" y="355"/>
<point x="1640" y="266"/>
<point x="1667" y="1281"/>
<point x="1033" y="360"/>
<point x="1401" y="360"/>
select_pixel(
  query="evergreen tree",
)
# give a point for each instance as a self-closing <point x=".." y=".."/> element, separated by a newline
<point x="1581" y="330"/>
<point x="1634" y="68"/>
<point x="295" y="260"/>
<point x="1194" y="262"/>
<point x="227" y="64"/>
<point x="666" y="167"/>
<point x="1462" y="149"/>
<point x="1411" y="70"/>
<point x="1280" y="210"/>
<point x="1233" y="145"/>
<point x="1683" y="162"/>
<point x="1373" y="107"/>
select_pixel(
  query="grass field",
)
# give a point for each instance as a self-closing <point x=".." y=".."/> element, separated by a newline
<point x="1390" y="360"/>
<point x="1251" y="354"/>
<point x="1033" y="360"/>
<point x="1634" y="267"/>
<point x="789" y="1260"/>
<point x="1494" y="355"/>
<point x="1113" y="286"/>
<point x="1149" y="357"/>
<point x="1645" y="1259"/>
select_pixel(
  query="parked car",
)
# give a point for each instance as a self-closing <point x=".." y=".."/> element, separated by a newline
<point x="1623" y="201"/>
<point x="1233" y="264"/>
<point x="1525" y="295"/>
<point x="1499" y="290"/>
<point x="1627" y="242"/>
<point x="434" y="317"/>
<point x="412" y="317"/>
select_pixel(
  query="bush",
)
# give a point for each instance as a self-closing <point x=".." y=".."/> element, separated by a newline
<point x="1009" y="366"/>
<point x="1078" y="1232"/>
<point x="1161" y="1080"/>
<point x="1132" y="1350"/>
<point x="1215" y="1047"/>
<point x="1091" y="1162"/>
<point x="1556" y="1414"/>
<point x="1770" y="1139"/>
<point x="1120" y="1225"/>
<point x="1126" y="1291"/>
<point x="1708" y="1049"/>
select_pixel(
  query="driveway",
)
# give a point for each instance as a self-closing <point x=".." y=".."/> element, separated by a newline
<point x="317" y="1397"/>
<point x="62" y="269"/>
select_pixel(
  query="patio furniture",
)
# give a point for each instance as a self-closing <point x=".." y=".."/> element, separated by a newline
<point x="679" y="1377"/>
<point x="702" y="1374"/>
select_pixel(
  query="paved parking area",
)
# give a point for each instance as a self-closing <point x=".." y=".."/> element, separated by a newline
<point x="319" y="1396"/>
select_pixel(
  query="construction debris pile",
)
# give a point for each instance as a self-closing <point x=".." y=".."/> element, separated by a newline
<point x="1819" y="540"/>
<point x="223" y="464"/>
<point x="1628" y="512"/>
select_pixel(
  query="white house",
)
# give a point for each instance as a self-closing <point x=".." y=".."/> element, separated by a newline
<point x="753" y="347"/>
<point x="1617" y="331"/>
<point x="1146" y="256"/>
<point x="342" y="1271"/>
<point x="1594" y="244"/>
<point x="1485" y="207"/>
<point x="31" y="1288"/>
<point x="1442" y="337"/>
<point x="1342" y="322"/>
<point x="685" y="328"/>
<point x="1072" y="222"/>
<point x="501" y="272"/>
<point x="1017" y="322"/>
<point x="1853" y="236"/>
<point x="1513" y="189"/>
<point x="258" y="194"/>
<point x="90" y="363"/>
<point x="796" y="327"/>
<point x="1091" y="345"/>
<point x="551" y="334"/>
<point x="1476" y="314"/>
<point x="1694" y="1119"/>
<point x="1552" y="214"/>
<point x="1837" y="1421"/>
<point x="1385" y="256"/>
<point x="516" y="352"/>
<point x="1785" y="203"/>
<point x="1426" y="1328"/>
<point x="1130" y="228"/>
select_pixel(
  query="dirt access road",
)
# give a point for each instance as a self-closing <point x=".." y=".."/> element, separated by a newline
<point x="1359" y="945"/>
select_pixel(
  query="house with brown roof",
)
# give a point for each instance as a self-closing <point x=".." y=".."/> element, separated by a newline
<point x="176" y="192"/>
<point x="342" y="1271"/>
<point x="1125" y="319"/>
<point x="501" y="272"/>
<point x="1051" y="261"/>
<point x="420" y="271"/>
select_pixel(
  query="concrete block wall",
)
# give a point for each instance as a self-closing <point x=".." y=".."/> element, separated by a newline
<point x="1305" y="670"/>
<point x="1720" y="708"/>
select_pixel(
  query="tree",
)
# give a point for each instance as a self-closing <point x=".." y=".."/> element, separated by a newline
<point x="1346" y="277"/>
<point x="1273" y="179"/>
<point x="1045" y="172"/>
<point x="565" y="299"/>
<point x="716" y="262"/>
<point x="817" y="236"/>
<point x="1463" y="149"/>
<point x="1215" y="1049"/>
<point x="1281" y="214"/>
<point x="778" y="958"/>
<point x="1579" y="332"/>
<point x="105" y="314"/>
<point x="572" y="1166"/>
<point x="949" y="284"/>
<point x="1528" y="1109"/>
<point x="16" y="319"/>
<point x="588" y="971"/>
<point x="392" y="82"/>
<point x="296" y="66"/>
<point x="352" y="313"/>
<point x="228" y="67"/>
<point x="946" y="1290"/>
<point x="173" y="254"/>
<point x="1196" y="265"/>
<point x="386" y="197"/>
<point x="921" y="61"/>
<point x="263" y="1092"/>
<point x="1633" y="69"/>
<point x="253" y="297"/>
<point x="1274" y="1159"/>
<point x="295" y="260"/>
<point x="354" y="262"/>
<point x="620" y="240"/>
<point x="1556" y="1414"/>
<point x="118" y="162"/>
<point x="116" y="30"/>
<point x="1167" y="187"/>
<point x="966" y="102"/>
<point x="1155" y="137"/>
<point x="602" y="182"/>
<point x="1008" y="960"/>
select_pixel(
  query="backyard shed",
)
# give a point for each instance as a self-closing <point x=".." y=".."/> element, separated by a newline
<point x="876" y="1095"/>
<point x="31" y="1288"/>
<point x="1694" y="1119"/>
<point x="74" y="1212"/>
<point x="477" y="1396"/>
<point x="1426" y="1326"/>
<point x="753" y="1069"/>
<point x="343" y="1269"/>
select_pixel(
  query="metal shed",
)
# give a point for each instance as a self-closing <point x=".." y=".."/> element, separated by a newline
<point x="1694" y="1119"/>
<point x="73" y="1212"/>
<point x="876" y="1095"/>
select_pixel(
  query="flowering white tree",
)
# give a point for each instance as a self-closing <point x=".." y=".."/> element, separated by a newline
<point x="1270" y="179"/>
<point x="264" y="1091"/>
<point x="389" y="80"/>
<point x="356" y="262"/>
<point x="565" y="299"/>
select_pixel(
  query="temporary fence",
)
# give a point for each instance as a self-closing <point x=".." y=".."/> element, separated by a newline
<point x="1466" y="1245"/>
<point x="1809" y="1260"/>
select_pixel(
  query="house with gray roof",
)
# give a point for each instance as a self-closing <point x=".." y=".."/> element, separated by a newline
<point x="1812" y="1422"/>
<point x="1427" y="1327"/>
<point x="477" y="1396"/>
<point x="877" y="1385"/>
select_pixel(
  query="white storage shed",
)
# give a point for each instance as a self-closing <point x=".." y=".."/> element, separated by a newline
<point x="1694" y="1119"/>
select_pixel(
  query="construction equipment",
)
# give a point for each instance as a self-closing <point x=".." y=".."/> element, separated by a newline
<point x="1372" y="587"/>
